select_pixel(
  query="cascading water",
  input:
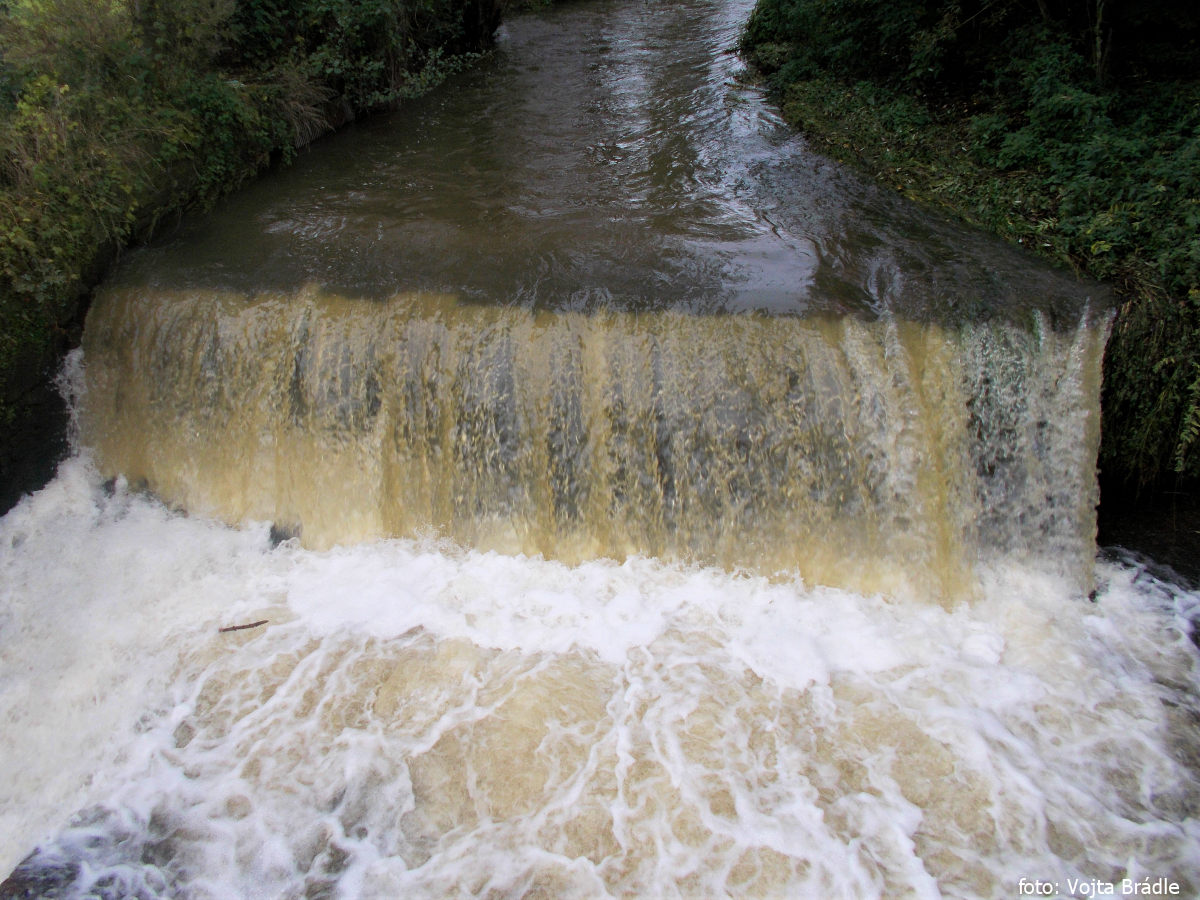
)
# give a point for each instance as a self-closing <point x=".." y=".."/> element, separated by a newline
<point x="621" y="501"/>
<point x="863" y="453"/>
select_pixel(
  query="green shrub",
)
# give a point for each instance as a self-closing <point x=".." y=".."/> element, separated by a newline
<point x="114" y="113"/>
<point x="1074" y="131"/>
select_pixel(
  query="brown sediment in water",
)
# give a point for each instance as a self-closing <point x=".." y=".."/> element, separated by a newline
<point x="872" y="454"/>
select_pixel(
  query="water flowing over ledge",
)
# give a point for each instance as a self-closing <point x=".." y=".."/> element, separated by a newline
<point x="870" y="454"/>
<point x="419" y="720"/>
<point x="584" y="307"/>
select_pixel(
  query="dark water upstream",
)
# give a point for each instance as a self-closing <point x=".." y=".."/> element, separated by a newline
<point x="668" y="512"/>
<point x="608" y="158"/>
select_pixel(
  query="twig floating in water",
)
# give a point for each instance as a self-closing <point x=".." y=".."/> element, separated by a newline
<point x="243" y="627"/>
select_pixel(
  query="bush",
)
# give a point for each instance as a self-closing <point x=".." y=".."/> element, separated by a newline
<point x="114" y="113"/>
<point x="1083" y="137"/>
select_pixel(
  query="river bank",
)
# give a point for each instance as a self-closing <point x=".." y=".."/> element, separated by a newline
<point x="930" y="161"/>
<point x="900" y="145"/>
<point x="116" y="120"/>
<point x="1081" y="154"/>
<point x="762" y="559"/>
<point x="1085" y="153"/>
<point x="1162" y="529"/>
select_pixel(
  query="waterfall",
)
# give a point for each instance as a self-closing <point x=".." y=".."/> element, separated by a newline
<point x="872" y="454"/>
<point x="572" y="486"/>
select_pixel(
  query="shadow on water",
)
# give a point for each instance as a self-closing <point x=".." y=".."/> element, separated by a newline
<point x="1160" y="532"/>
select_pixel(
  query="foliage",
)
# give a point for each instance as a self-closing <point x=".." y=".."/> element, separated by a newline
<point x="369" y="52"/>
<point x="114" y="113"/>
<point x="1072" y="127"/>
<point x="951" y="46"/>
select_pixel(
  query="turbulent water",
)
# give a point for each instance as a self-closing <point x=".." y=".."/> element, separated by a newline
<point x="863" y="453"/>
<point x="620" y="501"/>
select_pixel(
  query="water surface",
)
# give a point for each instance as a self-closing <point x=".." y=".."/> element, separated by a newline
<point x="625" y="502"/>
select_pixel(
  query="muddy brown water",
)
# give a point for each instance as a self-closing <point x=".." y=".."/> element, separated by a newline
<point x="628" y="503"/>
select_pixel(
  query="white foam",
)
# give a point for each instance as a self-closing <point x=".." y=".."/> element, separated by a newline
<point x="418" y="718"/>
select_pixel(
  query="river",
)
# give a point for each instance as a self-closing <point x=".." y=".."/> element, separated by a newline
<point x="619" y="499"/>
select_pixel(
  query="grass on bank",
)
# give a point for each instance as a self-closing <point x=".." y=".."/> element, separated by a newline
<point x="117" y="113"/>
<point x="1023" y="138"/>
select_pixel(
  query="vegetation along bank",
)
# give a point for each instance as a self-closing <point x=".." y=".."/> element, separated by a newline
<point x="116" y="115"/>
<point x="1069" y="126"/>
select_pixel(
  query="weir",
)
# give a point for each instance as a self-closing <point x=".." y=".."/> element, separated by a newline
<point x="873" y="454"/>
<point x="676" y="514"/>
<point x="595" y="302"/>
